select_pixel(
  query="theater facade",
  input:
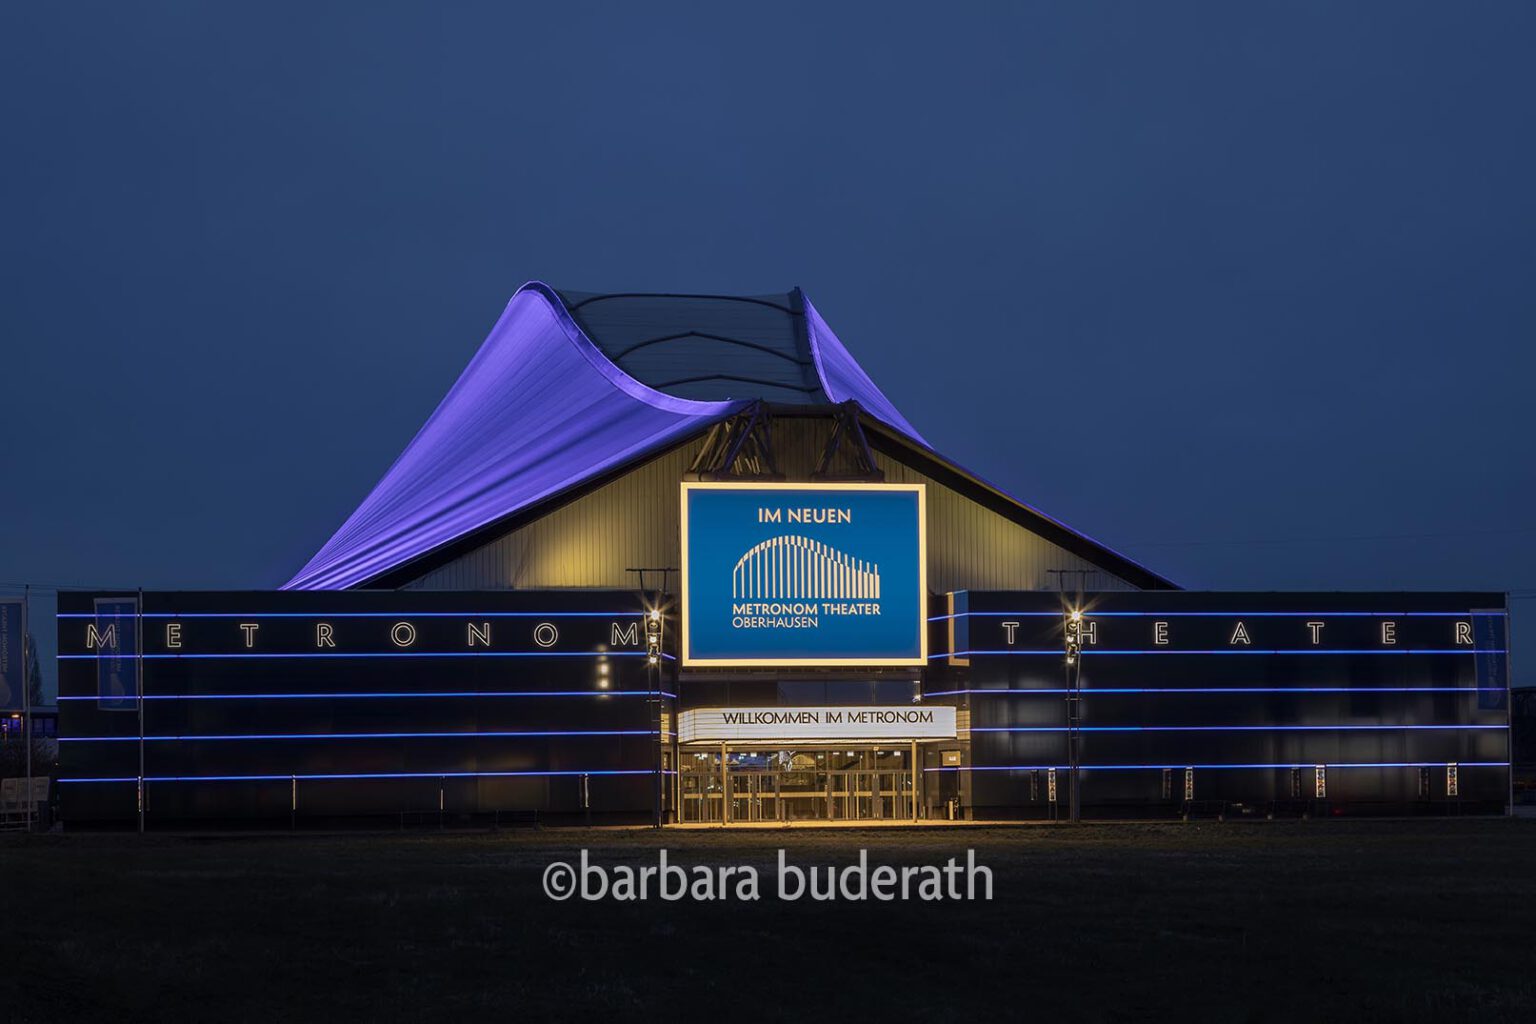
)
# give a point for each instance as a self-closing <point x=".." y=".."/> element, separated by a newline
<point x="676" y="559"/>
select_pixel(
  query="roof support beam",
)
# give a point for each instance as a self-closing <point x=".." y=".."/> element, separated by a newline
<point x="848" y="437"/>
<point x="738" y="448"/>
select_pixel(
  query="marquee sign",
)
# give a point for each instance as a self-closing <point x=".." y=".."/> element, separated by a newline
<point x="816" y="723"/>
<point x="803" y="574"/>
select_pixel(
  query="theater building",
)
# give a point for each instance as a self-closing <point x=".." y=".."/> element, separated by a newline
<point x="677" y="558"/>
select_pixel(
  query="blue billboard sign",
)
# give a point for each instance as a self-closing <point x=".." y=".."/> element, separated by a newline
<point x="804" y="574"/>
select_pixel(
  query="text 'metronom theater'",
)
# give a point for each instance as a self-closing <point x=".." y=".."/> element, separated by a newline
<point x="676" y="558"/>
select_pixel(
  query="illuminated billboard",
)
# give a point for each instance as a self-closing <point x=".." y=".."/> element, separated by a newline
<point x="803" y="574"/>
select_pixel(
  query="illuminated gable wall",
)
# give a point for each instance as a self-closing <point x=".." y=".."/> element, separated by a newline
<point x="633" y="521"/>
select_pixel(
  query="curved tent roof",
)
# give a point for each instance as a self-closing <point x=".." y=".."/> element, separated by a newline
<point x="546" y="405"/>
<point x="708" y="347"/>
<point x="570" y="386"/>
<point x="722" y="347"/>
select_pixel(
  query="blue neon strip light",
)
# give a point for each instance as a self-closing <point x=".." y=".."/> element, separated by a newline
<point x="359" y="735"/>
<point x="1278" y="615"/>
<point x="395" y="654"/>
<point x="972" y="615"/>
<point x="389" y="695"/>
<point x="371" y="615"/>
<point x="1372" y="650"/>
<point x="1225" y="728"/>
<point x="1239" y="650"/>
<point x="1354" y="764"/>
<point x="1055" y="651"/>
<point x="992" y="768"/>
<point x="926" y="693"/>
<point x="1207" y="767"/>
<point x="1209" y="615"/>
<point x="1090" y="691"/>
<point x="366" y="775"/>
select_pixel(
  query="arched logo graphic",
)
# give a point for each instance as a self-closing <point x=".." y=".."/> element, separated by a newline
<point x="796" y="568"/>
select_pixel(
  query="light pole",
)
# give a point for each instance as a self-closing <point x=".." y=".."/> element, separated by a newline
<point x="26" y="695"/>
<point x="653" y="668"/>
<point x="1072" y="628"/>
<point x="652" y="602"/>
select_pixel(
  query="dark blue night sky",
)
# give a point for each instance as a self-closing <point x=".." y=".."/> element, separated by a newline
<point x="1249" y="294"/>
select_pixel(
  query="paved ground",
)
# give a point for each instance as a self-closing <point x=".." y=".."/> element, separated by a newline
<point x="1326" y="920"/>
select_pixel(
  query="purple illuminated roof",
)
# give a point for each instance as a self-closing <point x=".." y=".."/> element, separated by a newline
<point x="845" y="380"/>
<point x="570" y="386"/>
<point x="542" y="407"/>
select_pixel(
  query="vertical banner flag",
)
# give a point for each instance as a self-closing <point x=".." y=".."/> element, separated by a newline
<point x="113" y="635"/>
<point x="13" y="680"/>
<point x="1490" y="639"/>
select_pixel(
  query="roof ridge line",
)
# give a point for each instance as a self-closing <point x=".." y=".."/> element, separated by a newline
<point x="754" y="299"/>
<point x="612" y="371"/>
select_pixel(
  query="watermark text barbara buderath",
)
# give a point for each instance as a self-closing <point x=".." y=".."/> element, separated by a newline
<point x="859" y="881"/>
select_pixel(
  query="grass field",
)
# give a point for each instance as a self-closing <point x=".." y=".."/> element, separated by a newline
<point x="1325" y="920"/>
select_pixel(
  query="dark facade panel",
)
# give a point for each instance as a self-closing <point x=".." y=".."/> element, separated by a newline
<point x="316" y="705"/>
<point x="389" y="706"/>
<point x="1399" y="701"/>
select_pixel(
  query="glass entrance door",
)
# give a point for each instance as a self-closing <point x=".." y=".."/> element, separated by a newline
<point x="845" y="784"/>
